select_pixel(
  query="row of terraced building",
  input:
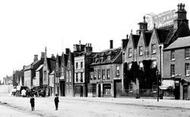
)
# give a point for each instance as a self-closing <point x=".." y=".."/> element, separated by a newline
<point x="144" y="61"/>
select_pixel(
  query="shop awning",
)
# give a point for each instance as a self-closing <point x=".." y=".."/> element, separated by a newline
<point x="166" y="84"/>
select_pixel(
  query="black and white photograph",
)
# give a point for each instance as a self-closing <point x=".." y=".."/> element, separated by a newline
<point x="94" y="58"/>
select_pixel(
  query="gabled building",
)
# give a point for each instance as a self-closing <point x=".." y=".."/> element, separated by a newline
<point x="48" y="68"/>
<point x="59" y="76"/>
<point x="147" y="56"/>
<point x="69" y="70"/>
<point x="106" y="75"/>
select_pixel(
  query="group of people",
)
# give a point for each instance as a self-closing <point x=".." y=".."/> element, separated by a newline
<point x="32" y="102"/>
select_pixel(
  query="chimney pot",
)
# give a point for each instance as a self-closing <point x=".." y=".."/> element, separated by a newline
<point x="111" y="44"/>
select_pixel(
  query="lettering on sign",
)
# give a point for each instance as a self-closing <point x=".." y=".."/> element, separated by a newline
<point x="161" y="20"/>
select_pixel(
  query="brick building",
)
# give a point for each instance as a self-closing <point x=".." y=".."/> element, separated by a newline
<point x="177" y="66"/>
<point x="143" y="56"/>
<point x="106" y="76"/>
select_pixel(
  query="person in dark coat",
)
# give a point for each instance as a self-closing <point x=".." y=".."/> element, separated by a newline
<point x="56" y="100"/>
<point x="32" y="102"/>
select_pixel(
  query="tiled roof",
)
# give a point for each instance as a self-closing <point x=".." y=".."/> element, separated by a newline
<point x="107" y="57"/>
<point x="181" y="31"/>
<point x="51" y="64"/>
<point x="135" y="39"/>
<point x="162" y="34"/>
<point x="147" y="37"/>
<point x="179" y="43"/>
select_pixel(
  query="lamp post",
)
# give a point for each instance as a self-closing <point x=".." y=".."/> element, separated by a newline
<point x="160" y="47"/>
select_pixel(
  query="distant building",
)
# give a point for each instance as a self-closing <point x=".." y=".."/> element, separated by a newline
<point x="18" y="78"/>
<point x="8" y="80"/>
<point x="48" y="69"/>
<point x="69" y="70"/>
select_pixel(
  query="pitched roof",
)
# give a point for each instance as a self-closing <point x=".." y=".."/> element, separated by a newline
<point x="135" y="39"/>
<point x="162" y="34"/>
<point x="180" y="43"/>
<point x="51" y="64"/>
<point x="181" y="31"/>
<point x="107" y="57"/>
<point x="147" y="38"/>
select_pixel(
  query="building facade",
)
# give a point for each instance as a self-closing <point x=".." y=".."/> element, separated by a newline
<point x="106" y="76"/>
<point x="143" y="56"/>
<point x="177" y="67"/>
<point x="81" y="68"/>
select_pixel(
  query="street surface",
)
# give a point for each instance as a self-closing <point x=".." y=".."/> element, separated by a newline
<point x="13" y="112"/>
<point x="11" y="106"/>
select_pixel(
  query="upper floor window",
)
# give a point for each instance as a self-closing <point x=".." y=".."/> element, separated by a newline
<point x="153" y="48"/>
<point x="130" y="52"/>
<point x="77" y="65"/>
<point x="140" y="50"/>
<point x="103" y="74"/>
<point x="117" y="71"/>
<point x="172" y="70"/>
<point x="172" y="55"/>
<point x="76" y="77"/>
<point x="108" y="73"/>
<point x="81" y="64"/>
<point x="187" y="53"/>
<point x="187" y="69"/>
<point x="81" y="77"/>
<point x="99" y="75"/>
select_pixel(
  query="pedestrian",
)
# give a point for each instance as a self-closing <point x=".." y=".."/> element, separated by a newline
<point x="56" y="100"/>
<point x="32" y="102"/>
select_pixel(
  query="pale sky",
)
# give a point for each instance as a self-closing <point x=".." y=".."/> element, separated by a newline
<point x="27" y="26"/>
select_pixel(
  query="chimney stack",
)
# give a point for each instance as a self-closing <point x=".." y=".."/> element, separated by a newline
<point x="124" y="42"/>
<point x="35" y="57"/>
<point x="67" y="50"/>
<point x="111" y="44"/>
<point x="42" y="55"/>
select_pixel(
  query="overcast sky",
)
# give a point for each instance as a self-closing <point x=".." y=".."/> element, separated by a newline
<point x="27" y="26"/>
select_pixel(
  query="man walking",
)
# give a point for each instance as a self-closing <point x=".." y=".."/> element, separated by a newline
<point x="56" y="100"/>
<point x="32" y="102"/>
